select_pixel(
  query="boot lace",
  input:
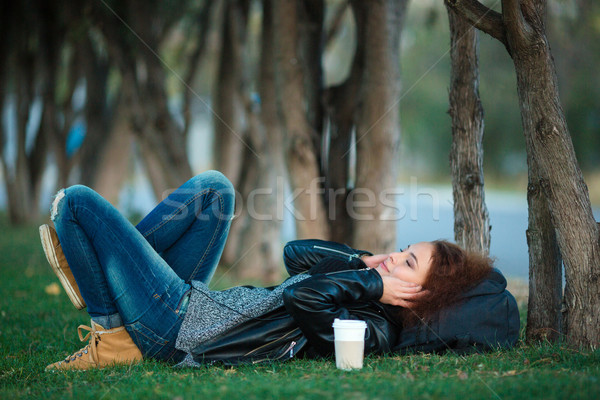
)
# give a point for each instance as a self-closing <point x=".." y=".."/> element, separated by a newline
<point x="90" y="348"/>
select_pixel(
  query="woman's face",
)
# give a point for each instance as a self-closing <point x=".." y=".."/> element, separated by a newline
<point x="410" y="265"/>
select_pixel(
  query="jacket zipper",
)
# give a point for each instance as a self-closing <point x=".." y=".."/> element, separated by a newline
<point x="339" y="272"/>
<point x="267" y="344"/>
<point x="290" y="349"/>
<point x="350" y="256"/>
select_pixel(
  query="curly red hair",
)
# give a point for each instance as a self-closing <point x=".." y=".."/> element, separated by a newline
<point x="453" y="271"/>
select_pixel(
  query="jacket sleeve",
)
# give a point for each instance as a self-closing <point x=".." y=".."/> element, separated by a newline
<point x="300" y="255"/>
<point x="315" y="302"/>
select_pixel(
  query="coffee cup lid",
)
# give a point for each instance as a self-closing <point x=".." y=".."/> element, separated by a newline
<point x="349" y="323"/>
<point x="349" y="330"/>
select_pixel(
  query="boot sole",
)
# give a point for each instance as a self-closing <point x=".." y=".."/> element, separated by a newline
<point x="50" y="253"/>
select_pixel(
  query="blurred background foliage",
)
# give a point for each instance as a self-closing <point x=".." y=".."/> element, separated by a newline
<point x="574" y="30"/>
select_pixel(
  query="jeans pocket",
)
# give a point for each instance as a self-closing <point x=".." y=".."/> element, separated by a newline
<point x="149" y="343"/>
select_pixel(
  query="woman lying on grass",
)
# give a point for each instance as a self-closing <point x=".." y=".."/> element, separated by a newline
<point x="145" y="286"/>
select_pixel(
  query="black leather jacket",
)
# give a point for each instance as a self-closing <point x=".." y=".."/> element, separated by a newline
<point x="303" y="326"/>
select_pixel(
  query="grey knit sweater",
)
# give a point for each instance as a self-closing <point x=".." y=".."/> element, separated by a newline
<point x="211" y="313"/>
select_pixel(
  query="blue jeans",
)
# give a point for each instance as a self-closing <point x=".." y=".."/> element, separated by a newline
<point x="139" y="276"/>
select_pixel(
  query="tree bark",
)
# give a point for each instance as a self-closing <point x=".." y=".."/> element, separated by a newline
<point x="53" y="33"/>
<point x="471" y="219"/>
<point x="545" y="271"/>
<point x="341" y="104"/>
<point x="259" y="247"/>
<point x="311" y="35"/>
<point x="377" y="127"/>
<point x="22" y="62"/>
<point x="260" y="242"/>
<point x="551" y="149"/>
<point x="548" y="138"/>
<point x="301" y="155"/>
<point x="230" y="119"/>
<point x="115" y="159"/>
<point x="99" y="113"/>
<point x="229" y="110"/>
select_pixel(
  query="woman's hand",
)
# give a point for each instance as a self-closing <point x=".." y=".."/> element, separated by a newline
<point x="374" y="261"/>
<point x="397" y="292"/>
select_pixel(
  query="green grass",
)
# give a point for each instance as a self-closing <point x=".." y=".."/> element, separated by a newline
<point x="37" y="328"/>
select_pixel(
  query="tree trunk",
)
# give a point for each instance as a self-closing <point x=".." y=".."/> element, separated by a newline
<point x="301" y="155"/>
<point x="115" y="161"/>
<point x="377" y="128"/>
<point x="545" y="271"/>
<point x="561" y="181"/>
<point x="341" y="104"/>
<point x="521" y="28"/>
<point x="471" y="219"/>
<point x="159" y="129"/>
<point x="98" y="113"/>
<point x="261" y="239"/>
<point x="23" y="176"/>
<point x="311" y="16"/>
<point x="230" y="119"/>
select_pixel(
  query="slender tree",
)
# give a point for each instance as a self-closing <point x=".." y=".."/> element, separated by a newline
<point x="471" y="219"/>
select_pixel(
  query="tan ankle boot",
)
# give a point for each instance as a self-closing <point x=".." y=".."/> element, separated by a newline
<point x="57" y="260"/>
<point x="105" y="348"/>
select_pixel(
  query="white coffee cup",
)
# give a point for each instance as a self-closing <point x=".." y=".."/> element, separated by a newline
<point x="349" y="337"/>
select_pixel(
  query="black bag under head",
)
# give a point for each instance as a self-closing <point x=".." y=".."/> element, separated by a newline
<point x="486" y="318"/>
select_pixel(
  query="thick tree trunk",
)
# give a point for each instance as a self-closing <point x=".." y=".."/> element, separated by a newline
<point x="377" y="128"/>
<point x="562" y="182"/>
<point x="545" y="271"/>
<point x="301" y="155"/>
<point x="471" y="219"/>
